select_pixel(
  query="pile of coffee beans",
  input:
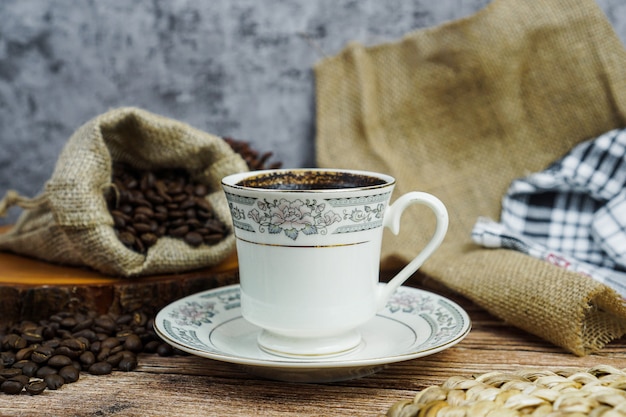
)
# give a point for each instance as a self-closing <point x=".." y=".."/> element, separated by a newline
<point x="147" y="205"/>
<point x="255" y="159"/>
<point x="54" y="352"/>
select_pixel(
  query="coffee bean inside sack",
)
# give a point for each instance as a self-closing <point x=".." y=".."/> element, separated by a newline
<point x="147" y="205"/>
<point x="54" y="352"/>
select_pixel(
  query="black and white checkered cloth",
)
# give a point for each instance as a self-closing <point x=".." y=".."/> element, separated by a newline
<point x="573" y="214"/>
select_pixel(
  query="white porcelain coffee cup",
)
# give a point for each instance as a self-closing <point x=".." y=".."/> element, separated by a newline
<point x="308" y="246"/>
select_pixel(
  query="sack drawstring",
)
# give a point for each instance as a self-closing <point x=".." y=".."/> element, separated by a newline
<point x="13" y="198"/>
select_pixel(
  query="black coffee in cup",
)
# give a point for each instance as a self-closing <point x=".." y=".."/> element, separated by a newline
<point x="310" y="180"/>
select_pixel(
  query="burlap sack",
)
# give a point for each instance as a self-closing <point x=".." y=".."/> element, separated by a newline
<point x="69" y="222"/>
<point x="462" y="109"/>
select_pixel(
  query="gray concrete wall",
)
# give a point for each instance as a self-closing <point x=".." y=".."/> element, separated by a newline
<point x="240" y="68"/>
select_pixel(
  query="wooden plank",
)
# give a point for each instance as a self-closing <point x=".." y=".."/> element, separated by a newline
<point x="31" y="289"/>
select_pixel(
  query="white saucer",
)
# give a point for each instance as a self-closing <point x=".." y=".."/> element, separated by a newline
<point x="414" y="323"/>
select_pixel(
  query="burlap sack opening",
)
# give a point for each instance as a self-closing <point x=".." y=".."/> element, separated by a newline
<point x="462" y="109"/>
<point x="69" y="222"/>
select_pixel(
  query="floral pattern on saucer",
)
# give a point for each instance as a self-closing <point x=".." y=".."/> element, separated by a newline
<point x="443" y="317"/>
<point x="415" y="323"/>
<point x="193" y="313"/>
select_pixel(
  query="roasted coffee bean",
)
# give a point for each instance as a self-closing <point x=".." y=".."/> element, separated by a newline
<point x="68" y="322"/>
<point x="59" y="361"/>
<point x="146" y="211"/>
<point x="49" y="331"/>
<point x="74" y="344"/>
<point x="100" y="368"/>
<point x="69" y="374"/>
<point x="11" y="387"/>
<point x="64" y="333"/>
<point x="20" y="364"/>
<point x="96" y="347"/>
<point x="128" y="363"/>
<point x="110" y="342"/>
<point x="45" y="371"/>
<point x="32" y="336"/>
<point x="83" y="325"/>
<point x="54" y="381"/>
<point x="36" y="387"/>
<point x="30" y="368"/>
<point x="140" y="319"/>
<point x="149" y="239"/>
<point x="53" y="343"/>
<point x="25" y="353"/>
<point x="66" y="351"/>
<point x="105" y="323"/>
<point x="123" y="334"/>
<point x="133" y="343"/>
<point x="151" y="346"/>
<point x="10" y="372"/>
<point x="103" y="354"/>
<point x="14" y="341"/>
<point x="87" y="359"/>
<point x="56" y="318"/>
<point x="147" y="180"/>
<point x="114" y="359"/>
<point x="139" y="219"/>
<point x="7" y="358"/>
<point x="41" y="354"/>
<point x="194" y="239"/>
<point x="127" y="238"/>
<point x="24" y="379"/>
<point x="88" y="334"/>
<point x="164" y="350"/>
<point x="179" y="231"/>
<point x="253" y="158"/>
<point x="212" y="239"/>
<point x="124" y="319"/>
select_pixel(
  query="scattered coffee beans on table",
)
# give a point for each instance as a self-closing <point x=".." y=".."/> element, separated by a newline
<point x="54" y="352"/>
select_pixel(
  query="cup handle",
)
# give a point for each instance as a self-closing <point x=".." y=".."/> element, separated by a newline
<point x="393" y="213"/>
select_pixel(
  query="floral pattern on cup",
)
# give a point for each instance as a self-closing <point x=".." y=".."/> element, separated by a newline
<point x="299" y="217"/>
<point x="293" y="217"/>
<point x="365" y="214"/>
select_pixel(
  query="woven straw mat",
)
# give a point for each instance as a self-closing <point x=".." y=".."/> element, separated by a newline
<point x="599" y="391"/>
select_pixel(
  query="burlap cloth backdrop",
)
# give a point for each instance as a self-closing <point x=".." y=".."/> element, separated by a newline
<point x="69" y="222"/>
<point x="462" y="109"/>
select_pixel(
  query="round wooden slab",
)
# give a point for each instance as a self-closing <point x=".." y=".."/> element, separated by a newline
<point x="32" y="290"/>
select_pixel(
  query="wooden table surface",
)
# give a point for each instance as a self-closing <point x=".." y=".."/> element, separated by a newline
<point x="192" y="386"/>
